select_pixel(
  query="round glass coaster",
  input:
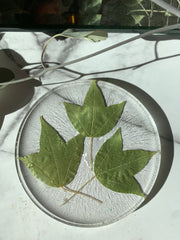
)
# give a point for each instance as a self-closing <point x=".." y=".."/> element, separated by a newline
<point x="138" y="131"/>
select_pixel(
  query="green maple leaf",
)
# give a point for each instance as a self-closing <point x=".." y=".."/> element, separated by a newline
<point x="94" y="118"/>
<point x="57" y="162"/>
<point x="116" y="168"/>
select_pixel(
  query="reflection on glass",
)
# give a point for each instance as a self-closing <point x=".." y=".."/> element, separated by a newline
<point x="99" y="13"/>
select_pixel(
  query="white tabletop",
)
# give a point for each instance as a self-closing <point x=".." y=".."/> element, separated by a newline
<point x="20" y="218"/>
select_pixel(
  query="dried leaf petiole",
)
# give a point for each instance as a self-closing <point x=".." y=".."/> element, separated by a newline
<point x="78" y="191"/>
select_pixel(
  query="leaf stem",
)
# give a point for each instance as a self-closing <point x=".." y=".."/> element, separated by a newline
<point x="78" y="192"/>
<point x="90" y="153"/>
<point x="45" y="46"/>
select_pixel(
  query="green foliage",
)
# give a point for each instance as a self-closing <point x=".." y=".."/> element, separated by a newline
<point x="93" y="36"/>
<point x="90" y="11"/>
<point x="137" y="18"/>
<point x="94" y="118"/>
<point x="116" y="168"/>
<point x="57" y="162"/>
<point x="133" y="13"/>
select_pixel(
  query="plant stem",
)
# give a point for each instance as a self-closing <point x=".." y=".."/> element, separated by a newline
<point x="140" y="4"/>
<point x="143" y="35"/>
<point x="147" y="10"/>
<point x="90" y="153"/>
<point x="78" y="192"/>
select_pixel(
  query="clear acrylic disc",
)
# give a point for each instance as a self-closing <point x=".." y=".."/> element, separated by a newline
<point x="139" y="131"/>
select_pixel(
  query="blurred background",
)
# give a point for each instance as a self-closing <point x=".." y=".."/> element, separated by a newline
<point x="111" y="13"/>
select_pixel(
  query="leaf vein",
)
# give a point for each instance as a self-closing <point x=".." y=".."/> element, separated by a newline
<point x="51" y="179"/>
<point x="93" y="108"/>
<point x="54" y="159"/>
<point x="68" y="169"/>
<point x="108" y="119"/>
<point x="124" y="164"/>
<point x="82" y="126"/>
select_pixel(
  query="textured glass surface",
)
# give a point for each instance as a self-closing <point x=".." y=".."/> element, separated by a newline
<point x="138" y="132"/>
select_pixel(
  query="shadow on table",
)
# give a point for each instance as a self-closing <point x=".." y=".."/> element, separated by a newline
<point x="15" y="96"/>
<point x="162" y="37"/>
<point x="164" y="129"/>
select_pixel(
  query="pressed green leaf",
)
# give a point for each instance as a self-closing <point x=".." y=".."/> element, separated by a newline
<point x="116" y="168"/>
<point x="93" y="36"/>
<point x="94" y="118"/>
<point x="57" y="162"/>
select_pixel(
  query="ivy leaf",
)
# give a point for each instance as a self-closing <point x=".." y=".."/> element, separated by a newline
<point x="94" y="118"/>
<point x="116" y="168"/>
<point x="57" y="161"/>
<point x="93" y="36"/>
